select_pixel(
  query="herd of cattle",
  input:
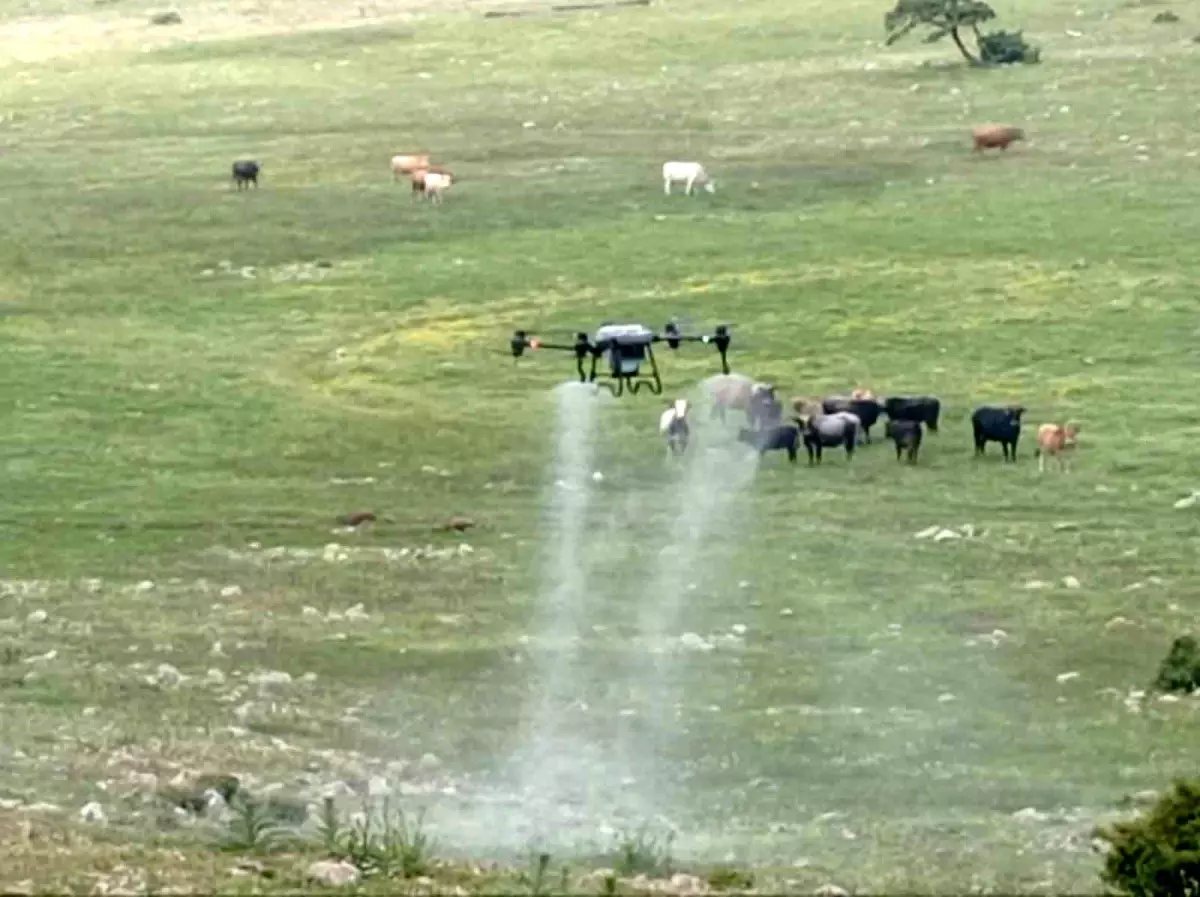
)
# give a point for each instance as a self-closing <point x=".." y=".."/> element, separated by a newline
<point x="846" y="421"/>
<point x="431" y="181"/>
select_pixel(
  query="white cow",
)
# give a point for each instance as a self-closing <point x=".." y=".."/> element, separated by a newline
<point x="692" y="173"/>
<point x="674" y="425"/>
<point x="435" y="183"/>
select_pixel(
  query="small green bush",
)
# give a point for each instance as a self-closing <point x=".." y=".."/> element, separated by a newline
<point x="1157" y="854"/>
<point x="1007" y="48"/>
<point x="1180" y="670"/>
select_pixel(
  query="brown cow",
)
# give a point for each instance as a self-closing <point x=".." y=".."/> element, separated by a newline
<point x="993" y="136"/>
<point x="403" y="164"/>
<point x="1056" y="441"/>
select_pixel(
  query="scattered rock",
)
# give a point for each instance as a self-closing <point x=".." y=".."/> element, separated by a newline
<point x="429" y="762"/>
<point x="831" y="890"/>
<point x="927" y="533"/>
<point x="1066" y="677"/>
<point x="166" y="676"/>
<point x="356" y="613"/>
<point x="1117" y="622"/>
<point x="1166" y="17"/>
<point x="684" y="884"/>
<point x="1071" y="582"/>
<point x="1029" y="814"/>
<point x="93" y="812"/>
<point x="458" y="524"/>
<point x="1064" y="525"/>
<point x="1036" y="584"/>
<point x="169" y="17"/>
<point x="38" y="616"/>
<point x="1188" y="501"/>
<point x="694" y="642"/>
<point x="269" y="677"/>
<point x="333" y="873"/>
<point x="231" y="591"/>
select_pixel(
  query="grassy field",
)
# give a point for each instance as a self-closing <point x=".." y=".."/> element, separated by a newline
<point x="191" y="400"/>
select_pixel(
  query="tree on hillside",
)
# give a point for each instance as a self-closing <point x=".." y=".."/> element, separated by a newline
<point x="950" y="17"/>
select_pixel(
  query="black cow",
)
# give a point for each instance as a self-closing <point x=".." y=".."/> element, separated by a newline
<point x="828" y="430"/>
<point x="907" y="436"/>
<point x="923" y="409"/>
<point x="867" y="411"/>
<point x="781" y="436"/>
<point x="245" y="173"/>
<point x="998" y="423"/>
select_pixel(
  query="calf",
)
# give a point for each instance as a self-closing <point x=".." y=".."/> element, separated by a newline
<point x="245" y="172"/>
<point x="866" y="409"/>
<point x="907" y="436"/>
<point x="418" y="178"/>
<point x="674" y="425"/>
<point x="992" y="136"/>
<point x="827" y="430"/>
<point x="1058" y="442"/>
<point x="784" y="437"/>
<point x="998" y="423"/>
<point x="691" y="173"/>
<point x="435" y="184"/>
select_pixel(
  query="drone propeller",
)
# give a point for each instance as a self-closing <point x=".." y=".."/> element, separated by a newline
<point x="720" y="337"/>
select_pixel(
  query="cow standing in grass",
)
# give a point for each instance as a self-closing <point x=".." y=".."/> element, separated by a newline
<point x="1002" y="424"/>
<point x="674" y="425"/>
<point x="1058" y="442"/>
<point x="691" y="173"/>
<point x="245" y="173"/>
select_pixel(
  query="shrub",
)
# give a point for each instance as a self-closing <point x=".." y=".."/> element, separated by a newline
<point x="1007" y="48"/>
<point x="1157" y="854"/>
<point x="1180" y="669"/>
<point x="385" y="846"/>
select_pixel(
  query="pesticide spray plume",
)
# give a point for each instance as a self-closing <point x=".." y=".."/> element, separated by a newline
<point x="591" y="757"/>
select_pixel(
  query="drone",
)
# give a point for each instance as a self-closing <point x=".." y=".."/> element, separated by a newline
<point x="628" y="347"/>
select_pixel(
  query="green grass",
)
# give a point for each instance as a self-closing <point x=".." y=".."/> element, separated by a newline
<point x="169" y="422"/>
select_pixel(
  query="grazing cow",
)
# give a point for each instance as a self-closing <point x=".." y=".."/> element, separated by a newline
<point x="1057" y="441"/>
<point x="806" y="406"/>
<point x="435" y="184"/>
<point x="674" y="425"/>
<point x="867" y="410"/>
<point x="737" y="392"/>
<point x="418" y="178"/>
<point x="405" y="164"/>
<point x="245" y="172"/>
<point x="823" y="431"/>
<point x="998" y="423"/>
<point x="781" y="436"/>
<point x="764" y="410"/>
<point x="992" y="136"/>
<point x="923" y="409"/>
<point x="691" y="173"/>
<point x="907" y="436"/>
